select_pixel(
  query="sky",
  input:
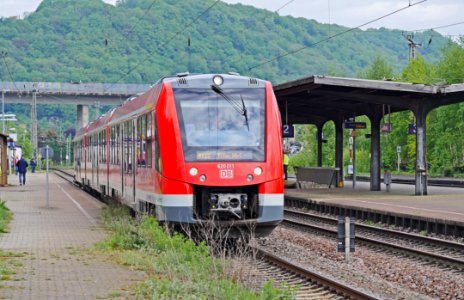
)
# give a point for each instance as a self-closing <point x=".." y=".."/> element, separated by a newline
<point x="349" y="13"/>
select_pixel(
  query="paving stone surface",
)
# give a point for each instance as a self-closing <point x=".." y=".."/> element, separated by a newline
<point x="441" y="202"/>
<point x="55" y="242"/>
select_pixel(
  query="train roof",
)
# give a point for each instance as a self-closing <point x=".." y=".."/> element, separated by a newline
<point x="104" y="119"/>
<point x="230" y="80"/>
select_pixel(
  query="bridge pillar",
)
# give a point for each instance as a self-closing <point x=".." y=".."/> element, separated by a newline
<point x="82" y="116"/>
<point x="339" y="148"/>
<point x="375" y="119"/>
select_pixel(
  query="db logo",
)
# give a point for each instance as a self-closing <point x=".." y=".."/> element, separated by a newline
<point x="226" y="174"/>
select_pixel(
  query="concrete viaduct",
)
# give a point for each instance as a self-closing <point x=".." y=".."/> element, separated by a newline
<point x="81" y="94"/>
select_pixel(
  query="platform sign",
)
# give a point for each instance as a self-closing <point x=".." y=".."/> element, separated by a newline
<point x="288" y="131"/>
<point x="350" y="170"/>
<point x="355" y="125"/>
<point x="43" y="152"/>
<point x="386" y="127"/>
<point x="412" y="129"/>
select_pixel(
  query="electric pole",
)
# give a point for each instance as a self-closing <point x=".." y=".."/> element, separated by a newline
<point x="3" y="111"/>
<point x="412" y="45"/>
<point x="34" y="122"/>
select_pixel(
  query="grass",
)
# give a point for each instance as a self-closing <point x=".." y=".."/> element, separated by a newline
<point x="424" y="233"/>
<point x="6" y="265"/>
<point x="178" y="268"/>
<point x="5" y="217"/>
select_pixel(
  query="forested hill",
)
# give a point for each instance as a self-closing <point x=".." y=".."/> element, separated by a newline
<point x="90" y="41"/>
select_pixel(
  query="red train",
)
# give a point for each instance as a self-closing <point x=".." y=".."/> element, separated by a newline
<point x="192" y="149"/>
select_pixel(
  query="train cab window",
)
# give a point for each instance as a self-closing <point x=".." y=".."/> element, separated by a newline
<point x="222" y="125"/>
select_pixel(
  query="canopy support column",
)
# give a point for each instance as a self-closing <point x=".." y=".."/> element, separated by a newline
<point x="375" y="119"/>
<point x="339" y="148"/>
<point x="319" y="143"/>
<point x="420" y="112"/>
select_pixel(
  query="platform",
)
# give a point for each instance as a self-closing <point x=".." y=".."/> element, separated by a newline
<point x="442" y="205"/>
<point x="55" y="241"/>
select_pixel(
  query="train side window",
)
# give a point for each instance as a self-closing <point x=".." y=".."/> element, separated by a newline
<point x="89" y="148"/>
<point x="148" y="141"/>
<point x="158" y="166"/>
<point x="104" y="153"/>
<point x="128" y="143"/>
<point x="117" y="144"/>
<point x="95" y="149"/>
<point x="140" y="141"/>
<point x="111" y="145"/>
<point x="100" y="147"/>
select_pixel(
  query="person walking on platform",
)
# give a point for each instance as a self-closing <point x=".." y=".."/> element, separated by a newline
<point x="33" y="164"/>
<point x="22" y="169"/>
<point x="286" y="159"/>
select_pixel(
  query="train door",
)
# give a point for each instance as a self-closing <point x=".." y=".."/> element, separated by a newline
<point x="77" y="160"/>
<point x="91" y="160"/>
<point x="129" y="159"/>
<point x="120" y="155"/>
<point x="94" y="158"/>
<point x="99" y="147"/>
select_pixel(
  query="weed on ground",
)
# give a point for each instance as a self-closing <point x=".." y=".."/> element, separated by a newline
<point x="178" y="267"/>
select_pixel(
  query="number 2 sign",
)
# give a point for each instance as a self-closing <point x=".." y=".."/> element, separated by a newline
<point x="288" y="131"/>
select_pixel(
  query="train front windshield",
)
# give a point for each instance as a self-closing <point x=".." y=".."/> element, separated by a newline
<point x="222" y="125"/>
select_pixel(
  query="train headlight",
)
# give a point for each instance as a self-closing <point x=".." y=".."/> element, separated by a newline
<point x="218" y="80"/>
<point x="214" y="199"/>
<point x="250" y="177"/>
<point x="258" y="171"/>
<point x="193" y="171"/>
<point x="202" y="177"/>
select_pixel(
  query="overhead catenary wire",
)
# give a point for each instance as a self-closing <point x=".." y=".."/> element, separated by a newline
<point x="439" y="27"/>
<point x="287" y="3"/>
<point x="334" y="36"/>
<point x="167" y="41"/>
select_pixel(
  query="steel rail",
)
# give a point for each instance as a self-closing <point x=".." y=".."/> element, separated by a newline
<point x="338" y="287"/>
<point x="371" y="242"/>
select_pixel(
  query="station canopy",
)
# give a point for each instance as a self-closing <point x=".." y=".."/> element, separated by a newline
<point x="316" y="99"/>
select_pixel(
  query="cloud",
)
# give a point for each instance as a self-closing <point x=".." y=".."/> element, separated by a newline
<point x="352" y="13"/>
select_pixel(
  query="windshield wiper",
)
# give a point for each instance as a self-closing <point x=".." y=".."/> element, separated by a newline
<point x="241" y="110"/>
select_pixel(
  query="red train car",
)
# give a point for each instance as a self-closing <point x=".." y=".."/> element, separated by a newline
<point x="192" y="149"/>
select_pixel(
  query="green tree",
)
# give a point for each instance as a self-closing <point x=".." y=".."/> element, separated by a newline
<point x="378" y="70"/>
<point x="451" y="66"/>
<point x="418" y="71"/>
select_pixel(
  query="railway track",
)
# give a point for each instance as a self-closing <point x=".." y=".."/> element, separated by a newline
<point x="309" y="284"/>
<point x="445" y="254"/>
<point x="64" y="174"/>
